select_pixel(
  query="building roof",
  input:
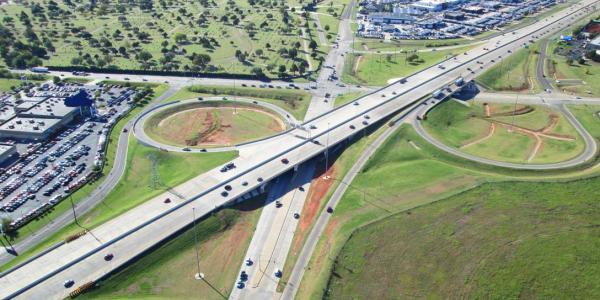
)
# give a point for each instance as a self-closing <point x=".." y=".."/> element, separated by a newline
<point x="29" y="125"/>
<point x="6" y="148"/>
<point x="51" y="108"/>
<point x="7" y="112"/>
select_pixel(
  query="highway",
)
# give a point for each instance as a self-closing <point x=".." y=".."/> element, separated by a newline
<point x="151" y="222"/>
<point x="541" y="77"/>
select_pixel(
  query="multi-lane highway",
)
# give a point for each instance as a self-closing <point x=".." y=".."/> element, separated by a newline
<point x="137" y="230"/>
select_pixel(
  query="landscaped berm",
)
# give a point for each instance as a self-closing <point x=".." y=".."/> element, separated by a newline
<point x="505" y="132"/>
<point x="212" y="124"/>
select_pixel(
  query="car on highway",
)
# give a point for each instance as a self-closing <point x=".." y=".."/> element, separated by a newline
<point x="186" y="149"/>
<point x="356" y="103"/>
<point x="243" y="276"/>
<point x="278" y="273"/>
<point x="68" y="283"/>
<point x="352" y="126"/>
<point x="228" y="187"/>
<point x="365" y="122"/>
<point x="108" y="257"/>
<point x="224" y="193"/>
<point x="249" y="262"/>
<point x="285" y="161"/>
<point x="278" y="204"/>
<point x="245" y="183"/>
<point x="329" y="209"/>
<point x="240" y="285"/>
<point x="296" y="216"/>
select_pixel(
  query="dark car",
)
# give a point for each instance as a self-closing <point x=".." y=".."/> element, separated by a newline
<point x="228" y="187"/>
<point x="296" y="216"/>
<point x="352" y="126"/>
<point x="329" y="209"/>
<point x="69" y="283"/>
<point x="224" y="193"/>
<point x="278" y="204"/>
<point x="285" y="161"/>
<point x="108" y="257"/>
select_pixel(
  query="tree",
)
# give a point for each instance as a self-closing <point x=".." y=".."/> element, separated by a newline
<point x="180" y="38"/>
<point x="294" y="68"/>
<point x="326" y="27"/>
<point x="56" y="80"/>
<point x="282" y="70"/>
<point x="201" y="60"/>
<point x="144" y="56"/>
<point x="259" y="52"/>
<point x="257" y="71"/>
<point x="268" y="46"/>
<point x="312" y="45"/>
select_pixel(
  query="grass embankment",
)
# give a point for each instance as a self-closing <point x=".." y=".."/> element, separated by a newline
<point x="167" y="272"/>
<point x="377" y="69"/>
<point x="407" y="172"/>
<point x="513" y="73"/>
<point x="212" y="124"/>
<point x="347" y="97"/>
<point x="294" y="101"/>
<point x="81" y="80"/>
<point x="495" y="137"/>
<point x="501" y="240"/>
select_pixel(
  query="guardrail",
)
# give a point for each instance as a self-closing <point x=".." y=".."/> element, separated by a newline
<point x="264" y="162"/>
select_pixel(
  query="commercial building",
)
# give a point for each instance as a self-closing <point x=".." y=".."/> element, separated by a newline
<point x="23" y="128"/>
<point x="594" y="44"/>
<point x="390" y="18"/>
<point x="7" y="151"/>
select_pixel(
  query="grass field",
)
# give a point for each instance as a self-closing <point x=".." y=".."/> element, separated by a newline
<point x="294" y="101"/>
<point x="7" y="84"/>
<point x="513" y="73"/>
<point x="377" y="69"/>
<point x="168" y="271"/>
<point x="200" y="124"/>
<point x="504" y="137"/>
<point x="498" y="241"/>
<point x="407" y="172"/>
<point x="119" y="36"/>
<point x="347" y="97"/>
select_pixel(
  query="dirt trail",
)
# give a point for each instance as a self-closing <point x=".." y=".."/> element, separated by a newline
<point x="356" y="64"/>
<point x="491" y="129"/>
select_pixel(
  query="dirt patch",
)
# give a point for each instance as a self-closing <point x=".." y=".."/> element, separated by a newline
<point x="520" y="111"/>
<point x="210" y="126"/>
<point x="318" y="189"/>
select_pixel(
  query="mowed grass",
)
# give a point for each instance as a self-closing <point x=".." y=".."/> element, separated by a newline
<point x="512" y="73"/>
<point x="347" y="97"/>
<point x="294" y="101"/>
<point x="168" y="271"/>
<point x="466" y="128"/>
<point x="377" y="69"/>
<point x="498" y="241"/>
<point x="202" y="125"/>
<point x="6" y="84"/>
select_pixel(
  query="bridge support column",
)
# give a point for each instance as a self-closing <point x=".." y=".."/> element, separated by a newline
<point x="263" y="187"/>
<point x="296" y="168"/>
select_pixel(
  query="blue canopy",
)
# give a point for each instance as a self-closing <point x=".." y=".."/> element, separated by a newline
<point x="82" y="98"/>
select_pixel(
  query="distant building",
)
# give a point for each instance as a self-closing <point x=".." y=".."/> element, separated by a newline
<point x="388" y="18"/>
<point x="594" y="44"/>
<point x="476" y="10"/>
<point x="454" y="15"/>
<point x="430" y="23"/>
<point x="430" y="5"/>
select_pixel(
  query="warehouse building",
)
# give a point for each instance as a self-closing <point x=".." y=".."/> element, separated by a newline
<point x="23" y="128"/>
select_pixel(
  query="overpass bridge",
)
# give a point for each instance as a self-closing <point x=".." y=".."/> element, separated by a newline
<point x="131" y="234"/>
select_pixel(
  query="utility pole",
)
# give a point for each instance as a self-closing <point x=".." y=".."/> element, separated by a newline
<point x="198" y="275"/>
<point x="327" y="154"/>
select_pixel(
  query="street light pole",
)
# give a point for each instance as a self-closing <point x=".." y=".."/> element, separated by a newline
<point x="198" y="275"/>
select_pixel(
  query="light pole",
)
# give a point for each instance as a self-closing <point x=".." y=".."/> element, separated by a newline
<point x="198" y="275"/>
<point x="327" y="154"/>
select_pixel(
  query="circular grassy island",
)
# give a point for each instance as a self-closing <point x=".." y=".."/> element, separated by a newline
<point x="212" y="124"/>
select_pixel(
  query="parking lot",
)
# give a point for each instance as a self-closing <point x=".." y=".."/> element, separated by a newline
<point x="47" y="172"/>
